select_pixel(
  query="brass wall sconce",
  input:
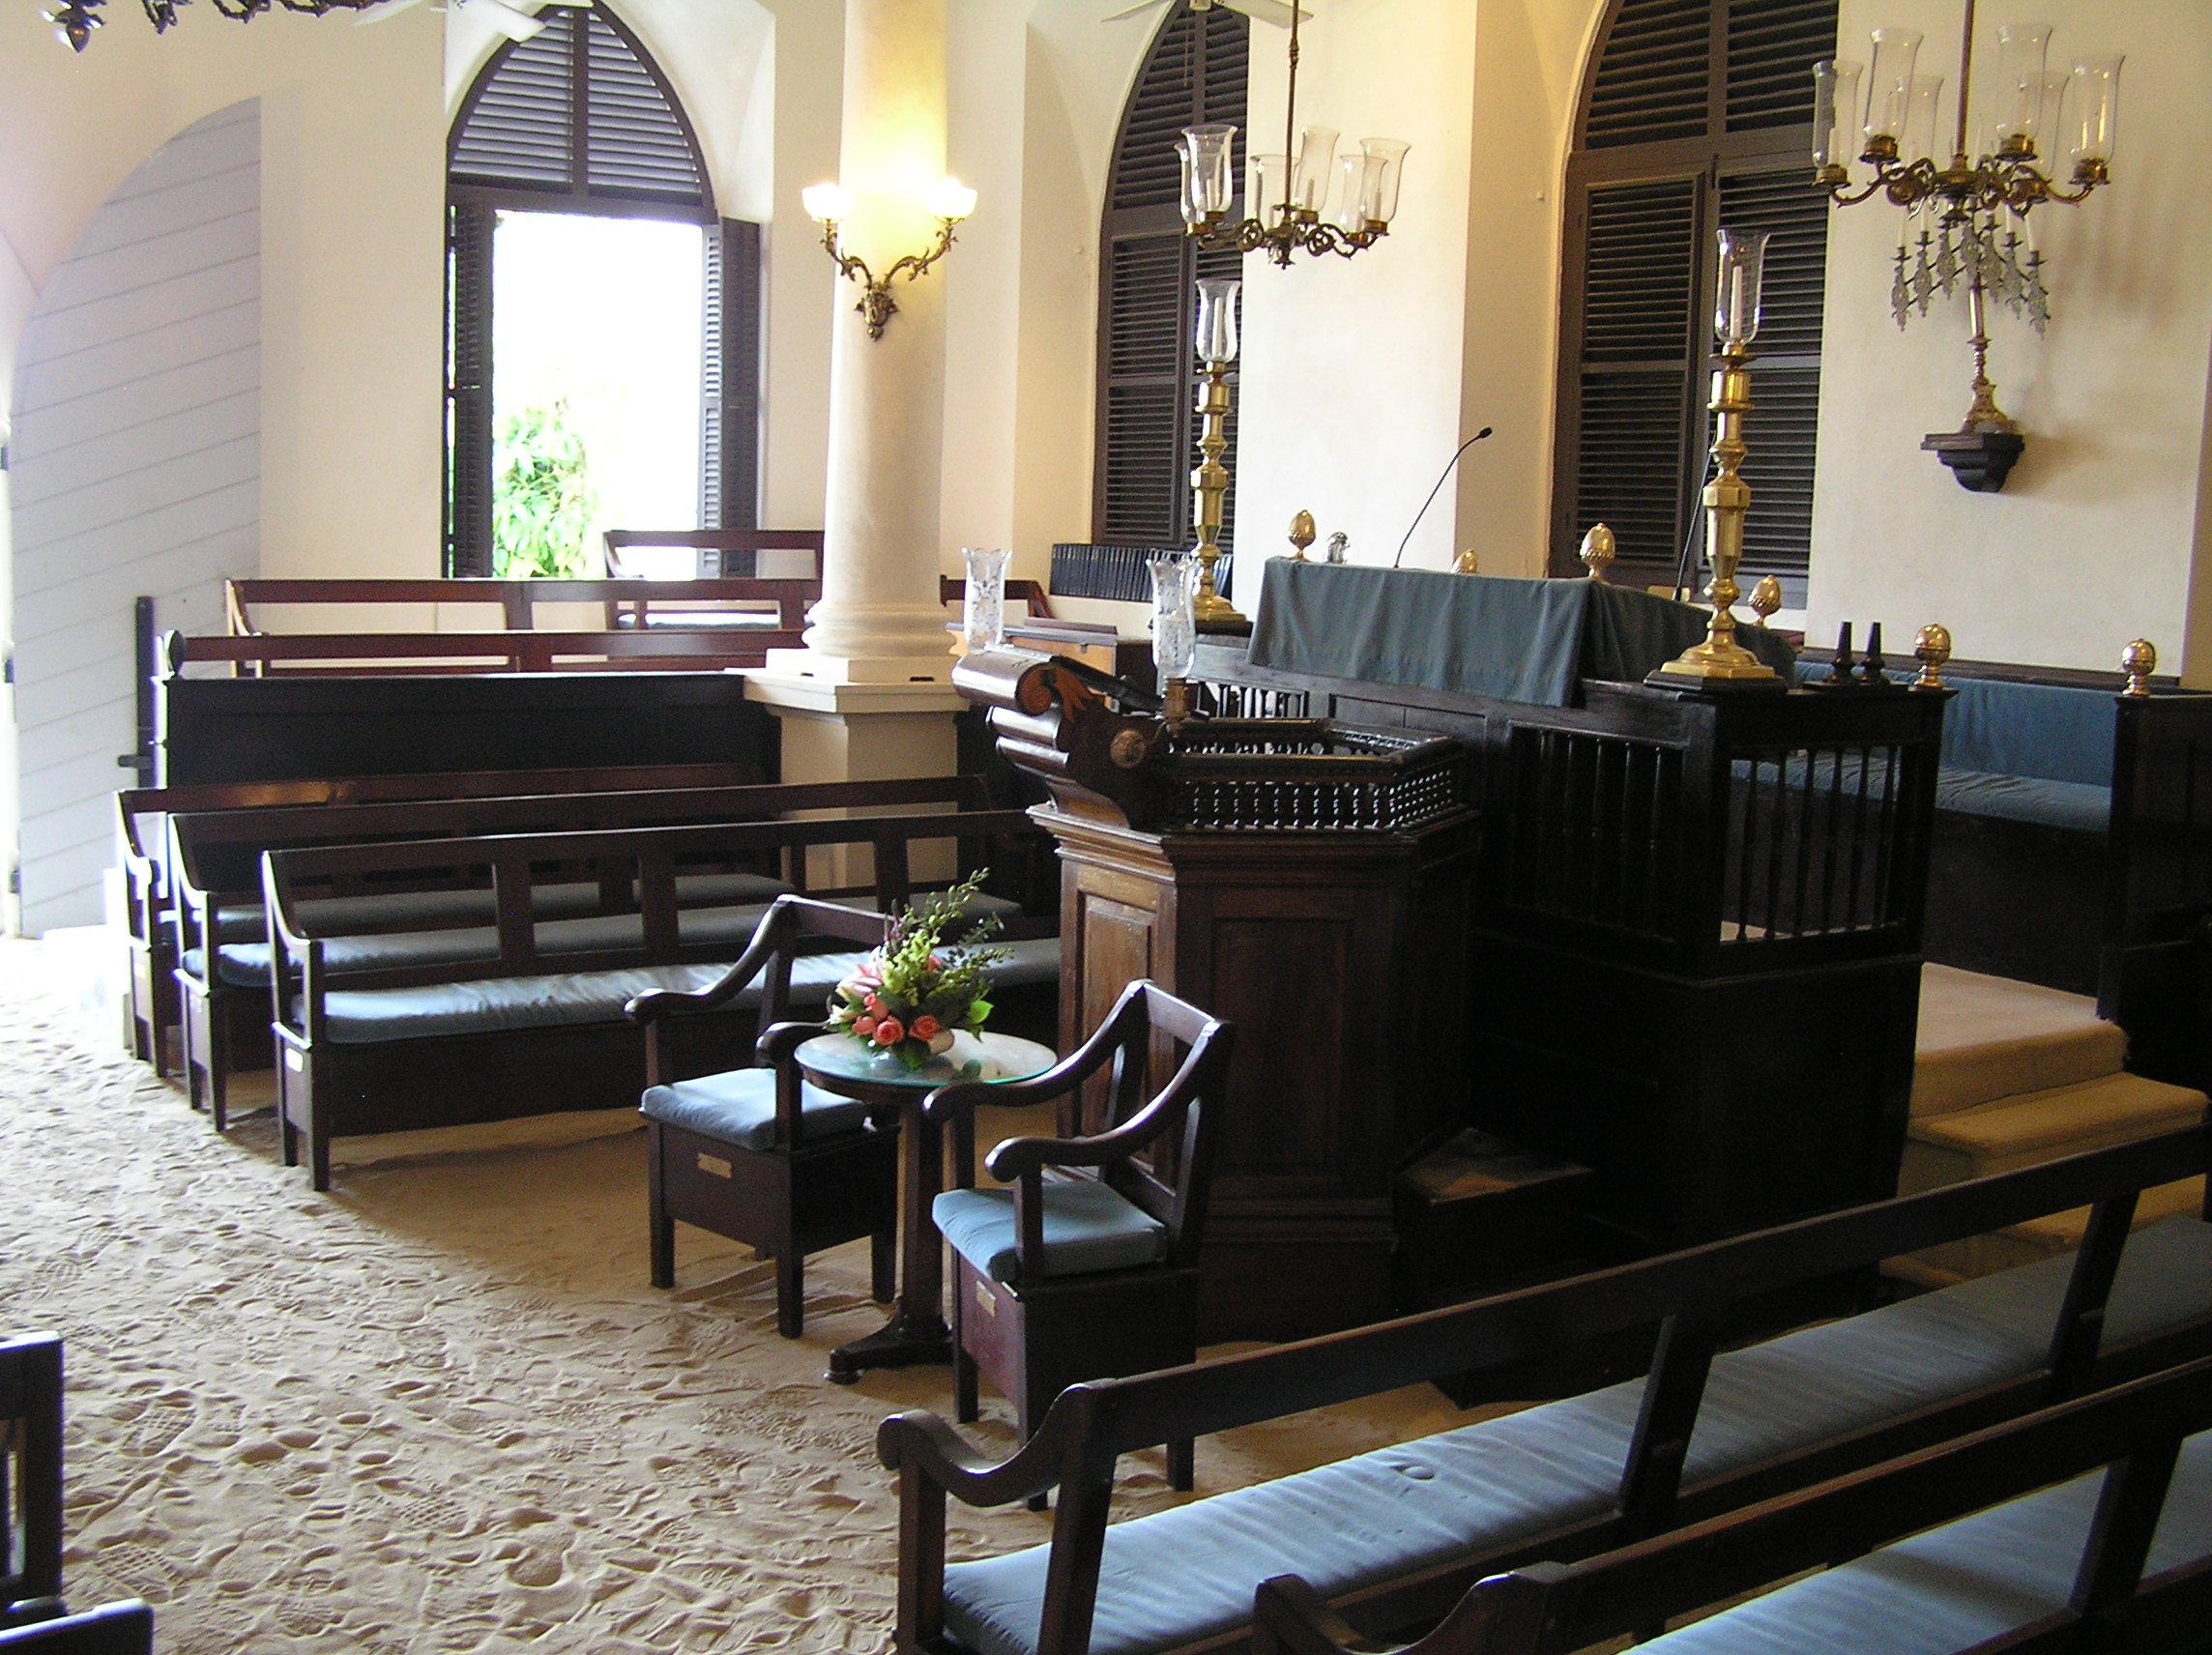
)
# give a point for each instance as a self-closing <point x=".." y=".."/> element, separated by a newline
<point x="1973" y="210"/>
<point x="830" y="205"/>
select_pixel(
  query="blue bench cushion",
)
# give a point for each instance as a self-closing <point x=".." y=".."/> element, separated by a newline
<point x="1173" y="1577"/>
<point x="1087" y="1227"/>
<point x="368" y="1015"/>
<point x="2072" y="805"/>
<point x="738" y="1107"/>
<point x="1954" y="1587"/>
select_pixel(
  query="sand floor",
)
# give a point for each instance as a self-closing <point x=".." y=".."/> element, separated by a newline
<point x="440" y="1408"/>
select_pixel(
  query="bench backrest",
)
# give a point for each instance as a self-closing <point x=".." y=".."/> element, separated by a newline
<point x="644" y="860"/>
<point x="2133" y="1428"/>
<point x="221" y="851"/>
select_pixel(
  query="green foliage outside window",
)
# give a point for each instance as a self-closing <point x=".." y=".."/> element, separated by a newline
<point x="543" y="500"/>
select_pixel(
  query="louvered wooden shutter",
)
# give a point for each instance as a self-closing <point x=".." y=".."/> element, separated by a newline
<point x="1146" y="430"/>
<point x="729" y="425"/>
<point x="1697" y="115"/>
<point x="468" y="388"/>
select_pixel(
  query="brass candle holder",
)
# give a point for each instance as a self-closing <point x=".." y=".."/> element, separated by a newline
<point x="1209" y="479"/>
<point x="1720" y="662"/>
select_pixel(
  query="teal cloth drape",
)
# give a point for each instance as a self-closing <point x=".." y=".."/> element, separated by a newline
<point x="1515" y="640"/>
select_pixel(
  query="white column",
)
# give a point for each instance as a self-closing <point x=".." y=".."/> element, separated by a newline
<point x="879" y="620"/>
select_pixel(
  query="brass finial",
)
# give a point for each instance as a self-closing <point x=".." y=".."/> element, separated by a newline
<point x="1765" y="597"/>
<point x="1302" y="533"/>
<point x="1597" y="550"/>
<point x="1465" y="563"/>
<point x="2139" y="660"/>
<point x="1932" y="647"/>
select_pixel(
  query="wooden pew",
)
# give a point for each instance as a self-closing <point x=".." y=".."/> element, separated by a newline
<point x="2057" y="1568"/>
<point x="142" y="843"/>
<point x="216" y="864"/>
<point x="1392" y="1539"/>
<point x="529" y="1018"/>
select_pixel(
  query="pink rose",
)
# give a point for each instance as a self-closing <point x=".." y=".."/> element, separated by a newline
<point x="936" y="964"/>
<point x="888" y="1033"/>
<point x="923" y="1028"/>
<point x="875" y="1005"/>
<point x="864" y="1027"/>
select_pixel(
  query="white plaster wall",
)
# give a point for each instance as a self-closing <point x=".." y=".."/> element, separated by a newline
<point x="1353" y="378"/>
<point x="2097" y="538"/>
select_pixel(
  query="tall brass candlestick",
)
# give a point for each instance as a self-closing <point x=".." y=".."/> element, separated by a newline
<point x="1210" y="486"/>
<point x="1720" y="660"/>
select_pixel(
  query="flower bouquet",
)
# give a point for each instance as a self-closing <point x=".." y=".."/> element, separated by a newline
<point x="912" y="993"/>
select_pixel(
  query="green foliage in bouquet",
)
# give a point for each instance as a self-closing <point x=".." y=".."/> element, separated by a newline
<point x="912" y="993"/>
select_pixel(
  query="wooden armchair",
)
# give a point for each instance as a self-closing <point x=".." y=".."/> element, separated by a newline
<point x="1091" y="1273"/>
<point x="758" y="1154"/>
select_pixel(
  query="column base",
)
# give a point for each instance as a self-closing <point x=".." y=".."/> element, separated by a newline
<point x="817" y="666"/>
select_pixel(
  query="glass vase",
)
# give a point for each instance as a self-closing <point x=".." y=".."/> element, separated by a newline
<point x="983" y="610"/>
<point x="1174" y="625"/>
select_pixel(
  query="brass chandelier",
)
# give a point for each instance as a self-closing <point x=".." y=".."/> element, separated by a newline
<point x="1972" y="210"/>
<point x="76" y="20"/>
<point x="1293" y="198"/>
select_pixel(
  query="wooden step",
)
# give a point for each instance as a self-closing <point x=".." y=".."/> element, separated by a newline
<point x="1982" y="1038"/>
<point x="2042" y="1126"/>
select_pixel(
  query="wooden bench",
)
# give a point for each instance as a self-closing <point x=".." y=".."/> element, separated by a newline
<point x="525" y="1016"/>
<point x="2119" y="1556"/>
<point x="222" y="946"/>
<point x="1392" y="1538"/>
<point x="142" y="845"/>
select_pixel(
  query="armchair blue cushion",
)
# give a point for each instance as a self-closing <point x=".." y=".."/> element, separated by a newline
<point x="738" y="1107"/>
<point x="1087" y="1227"/>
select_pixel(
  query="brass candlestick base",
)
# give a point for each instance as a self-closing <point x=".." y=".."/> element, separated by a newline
<point x="1209" y="484"/>
<point x="1720" y="661"/>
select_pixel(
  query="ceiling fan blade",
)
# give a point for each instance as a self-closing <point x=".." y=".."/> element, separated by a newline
<point x="1132" y="10"/>
<point x="385" y="12"/>
<point x="513" y="24"/>
<point x="1266" y="12"/>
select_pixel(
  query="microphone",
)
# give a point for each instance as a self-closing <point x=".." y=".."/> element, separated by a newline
<point x="1431" y="501"/>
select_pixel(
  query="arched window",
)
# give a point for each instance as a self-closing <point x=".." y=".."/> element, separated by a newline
<point x="579" y="122"/>
<point x="1696" y="114"/>
<point x="1147" y="433"/>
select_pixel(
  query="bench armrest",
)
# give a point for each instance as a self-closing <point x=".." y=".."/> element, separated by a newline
<point x="647" y="1009"/>
<point x="919" y="1441"/>
<point x="1288" y="1618"/>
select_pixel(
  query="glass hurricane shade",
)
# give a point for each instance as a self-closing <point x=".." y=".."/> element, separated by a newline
<point x="1317" y="161"/>
<point x="982" y="610"/>
<point x="1890" y="88"/>
<point x="1270" y="188"/>
<point x="826" y="203"/>
<point x="2017" y="101"/>
<point x="1919" y="138"/>
<point x="2096" y="109"/>
<point x="1386" y="168"/>
<point x="1208" y="181"/>
<point x="1216" y="332"/>
<point x="1835" y="111"/>
<point x="1174" y="628"/>
<point x="1735" y="295"/>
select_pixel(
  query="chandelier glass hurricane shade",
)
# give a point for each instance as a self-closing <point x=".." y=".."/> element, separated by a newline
<point x="1291" y="191"/>
<point x="947" y="200"/>
<point x="1971" y="211"/>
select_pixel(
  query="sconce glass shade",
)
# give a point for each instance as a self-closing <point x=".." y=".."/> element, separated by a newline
<point x="2051" y="122"/>
<point x="2096" y="109"/>
<point x="2018" y="101"/>
<point x="1835" y="111"/>
<point x="1174" y="628"/>
<point x="983" y="602"/>
<point x="1382" y="206"/>
<point x="1216" y="334"/>
<point x="1317" y="161"/>
<point x="826" y="203"/>
<point x="948" y="198"/>
<point x="1736" y="294"/>
<point x="1920" y="117"/>
<point x="1890" y="85"/>
<point x="1270" y="186"/>
<point x="1208" y="185"/>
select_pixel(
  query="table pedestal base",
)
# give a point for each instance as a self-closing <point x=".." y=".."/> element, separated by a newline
<point x="902" y="1342"/>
